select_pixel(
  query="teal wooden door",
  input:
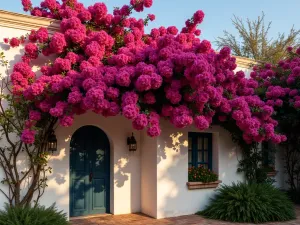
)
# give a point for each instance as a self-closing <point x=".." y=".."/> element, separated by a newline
<point x="89" y="172"/>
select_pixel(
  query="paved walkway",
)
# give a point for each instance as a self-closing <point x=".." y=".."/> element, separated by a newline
<point x="139" y="219"/>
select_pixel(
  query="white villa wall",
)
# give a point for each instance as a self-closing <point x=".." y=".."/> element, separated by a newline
<point x="125" y="166"/>
<point x="247" y="71"/>
<point x="12" y="55"/>
<point x="281" y="177"/>
<point x="173" y="196"/>
<point x="148" y="175"/>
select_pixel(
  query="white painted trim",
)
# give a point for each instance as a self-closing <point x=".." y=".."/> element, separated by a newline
<point x="245" y="62"/>
<point x="27" y="22"/>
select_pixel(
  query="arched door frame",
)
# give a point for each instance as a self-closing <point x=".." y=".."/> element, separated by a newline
<point x="83" y="132"/>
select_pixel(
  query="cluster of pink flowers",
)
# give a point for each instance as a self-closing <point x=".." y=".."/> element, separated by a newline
<point x="15" y="41"/>
<point x="109" y="65"/>
<point x="281" y="82"/>
<point x="28" y="136"/>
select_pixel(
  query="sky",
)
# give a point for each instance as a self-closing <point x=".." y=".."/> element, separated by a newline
<point x="218" y="13"/>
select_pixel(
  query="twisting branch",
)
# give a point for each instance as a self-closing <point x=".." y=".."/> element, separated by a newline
<point x="13" y="116"/>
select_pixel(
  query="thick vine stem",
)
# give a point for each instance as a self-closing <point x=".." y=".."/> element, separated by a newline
<point x="12" y="121"/>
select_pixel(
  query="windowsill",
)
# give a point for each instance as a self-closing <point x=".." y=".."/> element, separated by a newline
<point x="202" y="185"/>
<point x="272" y="173"/>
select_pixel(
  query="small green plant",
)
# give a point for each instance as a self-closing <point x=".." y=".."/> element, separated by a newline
<point x="38" y="215"/>
<point x="250" y="203"/>
<point x="201" y="174"/>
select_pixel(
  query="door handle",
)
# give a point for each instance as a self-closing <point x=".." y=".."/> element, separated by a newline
<point x="91" y="177"/>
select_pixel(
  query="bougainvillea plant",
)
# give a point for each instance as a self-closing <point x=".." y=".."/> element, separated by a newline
<point x="279" y="87"/>
<point x="107" y="64"/>
<point x="24" y="180"/>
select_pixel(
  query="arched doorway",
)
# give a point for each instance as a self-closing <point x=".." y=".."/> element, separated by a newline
<point x="89" y="172"/>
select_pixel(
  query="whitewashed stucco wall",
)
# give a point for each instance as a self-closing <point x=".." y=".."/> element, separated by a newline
<point x="148" y="175"/>
<point x="125" y="166"/>
<point x="12" y="55"/>
<point x="247" y="71"/>
<point x="173" y="196"/>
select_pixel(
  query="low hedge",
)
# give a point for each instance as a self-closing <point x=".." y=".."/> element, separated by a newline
<point x="250" y="203"/>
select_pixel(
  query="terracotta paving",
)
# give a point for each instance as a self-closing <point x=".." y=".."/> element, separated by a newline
<point x="140" y="219"/>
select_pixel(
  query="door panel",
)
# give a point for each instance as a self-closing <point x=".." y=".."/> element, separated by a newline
<point x="79" y="194"/>
<point x="98" y="194"/>
<point x="80" y="161"/>
<point x="89" y="172"/>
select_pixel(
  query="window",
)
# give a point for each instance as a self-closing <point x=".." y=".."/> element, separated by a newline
<point x="268" y="155"/>
<point x="200" y="150"/>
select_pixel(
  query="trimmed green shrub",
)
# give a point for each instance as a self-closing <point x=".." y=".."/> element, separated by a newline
<point x="200" y="174"/>
<point x="251" y="203"/>
<point x="39" y="215"/>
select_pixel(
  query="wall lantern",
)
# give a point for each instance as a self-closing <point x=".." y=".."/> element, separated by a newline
<point x="52" y="142"/>
<point x="131" y="142"/>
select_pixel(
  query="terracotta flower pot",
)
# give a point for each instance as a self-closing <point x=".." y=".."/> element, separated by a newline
<point x="272" y="173"/>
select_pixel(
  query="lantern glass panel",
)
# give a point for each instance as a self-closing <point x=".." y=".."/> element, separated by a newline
<point x="132" y="145"/>
<point x="52" y="143"/>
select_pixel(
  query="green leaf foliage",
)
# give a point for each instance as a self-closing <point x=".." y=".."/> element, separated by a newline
<point x="39" y="215"/>
<point x="250" y="203"/>
<point x="253" y="40"/>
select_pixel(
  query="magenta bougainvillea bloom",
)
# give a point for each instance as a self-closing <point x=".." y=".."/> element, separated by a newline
<point x="34" y="115"/>
<point x="140" y="122"/>
<point x="66" y="121"/>
<point x="280" y="86"/>
<point x="108" y="64"/>
<point x="14" y="42"/>
<point x="27" y="5"/>
<point x="28" y="136"/>
<point x="31" y="50"/>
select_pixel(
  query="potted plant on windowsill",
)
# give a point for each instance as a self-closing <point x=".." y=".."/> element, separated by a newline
<point x="271" y="172"/>
<point x="201" y="178"/>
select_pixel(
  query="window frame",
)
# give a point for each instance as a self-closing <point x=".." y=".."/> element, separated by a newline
<point x="268" y="155"/>
<point x="194" y="149"/>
